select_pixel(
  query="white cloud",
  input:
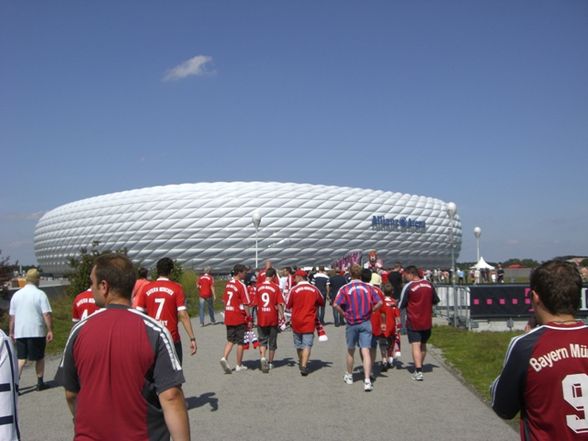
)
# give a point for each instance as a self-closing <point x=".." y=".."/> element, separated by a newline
<point x="194" y="66"/>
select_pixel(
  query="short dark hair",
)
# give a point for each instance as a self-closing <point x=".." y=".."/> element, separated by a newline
<point x="366" y="275"/>
<point x="239" y="268"/>
<point x="413" y="270"/>
<point x="559" y="286"/>
<point x="270" y="273"/>
<point x="143" y="273"/>
<point x="388" y="289"/>
<point x="165" y="266"/>
<point x="118" y="271"/>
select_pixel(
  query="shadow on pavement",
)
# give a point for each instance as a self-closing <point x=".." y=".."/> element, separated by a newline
<point x="202" y="400"/>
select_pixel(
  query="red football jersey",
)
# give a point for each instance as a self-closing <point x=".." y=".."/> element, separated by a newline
<point x="386" y="316"/>
<point x="83" y="305"/>
<point x="252" y="291"/>
<point x="268" y="298"/>
<point x="162" y="299"/>
<point x="303" y="301"/>
<point x="205" y="284"/>
<point x="235" y="298"/>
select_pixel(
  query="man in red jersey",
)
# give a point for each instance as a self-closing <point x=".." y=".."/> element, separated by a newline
<point x="164" y="300"/>
<point x="545" y="372"/>
<point x="262" y="276"/>
<point x="418" y="297"/>
<point x="207" y="295"/>
<point x="304" y="299"/>
<point x="270" y="310"/>
<point x="122" y="378"/>
<point x="83" y="305"/>
<point x="237" y="316"/>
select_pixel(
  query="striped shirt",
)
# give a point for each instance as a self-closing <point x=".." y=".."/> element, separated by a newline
<point x="357" y="299"/>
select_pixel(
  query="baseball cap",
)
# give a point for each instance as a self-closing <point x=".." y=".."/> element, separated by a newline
<point x="300" y="273"/>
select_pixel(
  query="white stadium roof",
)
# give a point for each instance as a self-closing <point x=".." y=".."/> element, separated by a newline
<point x="210" y="224"/>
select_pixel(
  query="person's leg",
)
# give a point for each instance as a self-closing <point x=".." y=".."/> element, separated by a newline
<point x="417" y="356"/>
<point x="240" y="351"/>
<point x="40" y="368"/>
<point x="299" y="353"/>
<point x="349" y="359"/>
<point x="305" y="356"/>
<point x="423" y="353"/>
<point x="367" y="363"/>
<point x="210" y="304"/>
<point x="21" y="365"/>
<point x="228" y="349"/>
<point x="201" y="310"/>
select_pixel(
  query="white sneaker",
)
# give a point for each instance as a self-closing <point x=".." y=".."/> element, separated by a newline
<point x="240" y="368"/>
<point x="348" y="378"/>
<point x="368" y="386"/>
<point x="264" y="365"/>
<point x="270" y="366"/>
<point x="418" y="376"/>
<point x="225" y="365"/>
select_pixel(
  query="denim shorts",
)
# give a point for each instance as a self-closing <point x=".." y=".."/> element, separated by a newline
<point x="302" y="341"/>
<point x="359" y="335"/>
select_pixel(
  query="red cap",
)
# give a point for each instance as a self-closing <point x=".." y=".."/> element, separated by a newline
<point x="300" y="273"/>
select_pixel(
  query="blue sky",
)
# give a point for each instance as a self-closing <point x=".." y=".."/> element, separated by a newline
<point x="484" y="103"/>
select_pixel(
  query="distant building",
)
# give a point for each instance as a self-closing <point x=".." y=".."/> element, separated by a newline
<point x="210" y="224"/>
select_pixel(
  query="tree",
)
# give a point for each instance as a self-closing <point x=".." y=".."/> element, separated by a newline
<point x="79" y="278"/>
<point x="7" y="269"/>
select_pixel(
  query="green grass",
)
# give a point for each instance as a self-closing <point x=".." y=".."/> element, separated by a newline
<point x="477" y="356"/>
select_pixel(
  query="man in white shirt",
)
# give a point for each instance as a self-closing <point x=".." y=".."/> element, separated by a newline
<point x="31" y="325"/>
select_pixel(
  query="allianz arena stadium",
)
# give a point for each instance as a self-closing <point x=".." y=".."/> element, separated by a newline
<point x="211" y="224"/>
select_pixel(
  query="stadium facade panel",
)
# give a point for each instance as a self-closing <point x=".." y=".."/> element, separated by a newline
<point x="210" y="224"/>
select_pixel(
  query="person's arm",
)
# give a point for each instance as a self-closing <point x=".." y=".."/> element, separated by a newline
<point x="48" y="319"/>
<point x="11" y="327"/>
<point x="506" y="390"/>
<point x="71" y="398"/>
<point x="377" y="306"/>
<point x="212" y="290"/>
<point x="185" y="319"/>
<point x="175" y="413"/>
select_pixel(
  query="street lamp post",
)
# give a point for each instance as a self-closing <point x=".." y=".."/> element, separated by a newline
<point x="477" y="233"/>
<point x="256" y="219"/>
<point x="451" y="212"/>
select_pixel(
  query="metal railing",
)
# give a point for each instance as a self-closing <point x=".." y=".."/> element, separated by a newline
<point x="454" y="305"/>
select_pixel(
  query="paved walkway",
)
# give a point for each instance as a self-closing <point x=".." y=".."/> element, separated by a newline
<point x="283" y="405"/>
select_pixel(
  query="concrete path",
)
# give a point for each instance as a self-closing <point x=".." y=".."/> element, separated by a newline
<point x="283" y="405"/>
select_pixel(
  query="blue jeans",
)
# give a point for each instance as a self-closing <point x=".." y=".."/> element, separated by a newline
<point x="209" y="304"/>
<point x="338" y="318"/>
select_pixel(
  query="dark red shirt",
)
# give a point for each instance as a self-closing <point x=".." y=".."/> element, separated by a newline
<point x="418" y="297"/>
<point x="545" y="377"/>
<point x="118" y="360"/>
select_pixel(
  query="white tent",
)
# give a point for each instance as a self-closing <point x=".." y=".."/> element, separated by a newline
<point x="482" y="264"/>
